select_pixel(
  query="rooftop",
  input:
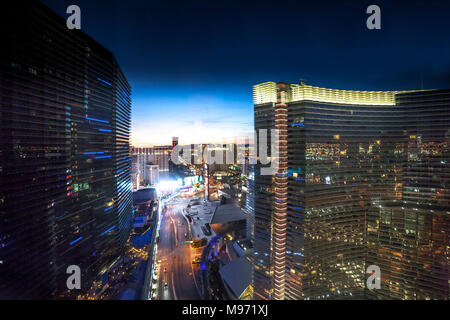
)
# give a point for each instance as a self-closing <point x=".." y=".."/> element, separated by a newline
<point x="228" y="212"/>
<point x="237" y="275"/>
<point x="267" y="92"/>
<point x="144" y="195"/>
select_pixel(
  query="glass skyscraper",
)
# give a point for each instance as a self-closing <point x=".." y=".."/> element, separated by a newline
<point x="347" y="160"/>
<point x="408" y="237"/>
<point x="65" y="186"/>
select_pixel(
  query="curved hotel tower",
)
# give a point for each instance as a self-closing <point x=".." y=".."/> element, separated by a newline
<point x="363" y="180"/>
<point x="65" y="187"/>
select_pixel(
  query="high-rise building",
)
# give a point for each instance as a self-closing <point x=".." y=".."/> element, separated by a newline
<point x="174" y="141"/>
<point x="250" y="204"/>
<point x="341" y="155"/>
<point x="157" y="155"/>
<point x="135" y="173"/>
<point x="65" y="188"/>
<point x="408" y="237"/>
<point x="151" y="175"/>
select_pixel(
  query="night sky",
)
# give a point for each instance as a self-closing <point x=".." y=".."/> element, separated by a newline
<point x="192" y="64"/>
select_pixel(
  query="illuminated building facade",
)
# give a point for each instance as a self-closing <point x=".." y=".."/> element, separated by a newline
<point x="174" y="141"/>
<point x="250" y="204"/>
<point x="157" y="155"/>
<point x="342" y="153"/>
<point x="65" y="189"/>
<point x="408" y="237"/>
<point x="151" y="175"/>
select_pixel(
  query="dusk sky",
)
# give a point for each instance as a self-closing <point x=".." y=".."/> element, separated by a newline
<point x="192" y="64"/>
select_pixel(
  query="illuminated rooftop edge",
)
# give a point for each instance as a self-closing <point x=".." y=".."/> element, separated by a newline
<point x="266" y="93"/>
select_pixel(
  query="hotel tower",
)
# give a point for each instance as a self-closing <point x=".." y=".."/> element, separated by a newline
<point x="363" y="180"/>
<point x="65" y="187"/>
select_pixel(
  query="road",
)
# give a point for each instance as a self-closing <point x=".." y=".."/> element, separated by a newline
<point x="176" y="255"/>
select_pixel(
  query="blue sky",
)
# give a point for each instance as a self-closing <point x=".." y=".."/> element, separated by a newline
<point x="194" y="115"/>
<point x="192" y="64"/>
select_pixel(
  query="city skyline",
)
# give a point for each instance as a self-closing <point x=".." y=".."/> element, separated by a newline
<point x="209" y="55"/>
<point x="225" y="152"/>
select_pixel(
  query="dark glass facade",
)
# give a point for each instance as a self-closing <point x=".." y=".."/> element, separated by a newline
<point x="408" y="237"/>
<point x="348" y="155"/>
<point x="65" y="187"/>
<point x="263" y="217"/>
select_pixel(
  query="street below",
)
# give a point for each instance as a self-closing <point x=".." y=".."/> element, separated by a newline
<point x="177" y="275"/>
